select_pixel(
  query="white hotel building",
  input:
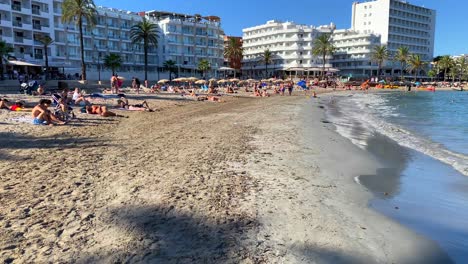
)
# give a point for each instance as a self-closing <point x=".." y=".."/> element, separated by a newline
<point x="398" y="23"/>
<point x="187" y="39"/>
<point x="291" y="45"/>
<point x="21" y="21"/>
<point x="353" y="53"/>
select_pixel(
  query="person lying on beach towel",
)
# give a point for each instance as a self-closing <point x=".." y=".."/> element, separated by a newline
<point x="16" y="106"/>
<point x="42" y="115"/>
<point x="210" y="98"/>
<point x="100" y="110"/>
<point x="123" y="103"/>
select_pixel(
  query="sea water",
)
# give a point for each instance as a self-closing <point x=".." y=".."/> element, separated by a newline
<point x="421" y="140"/>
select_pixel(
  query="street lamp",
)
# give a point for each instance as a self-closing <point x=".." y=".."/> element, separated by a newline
<point x="99" y="68"/>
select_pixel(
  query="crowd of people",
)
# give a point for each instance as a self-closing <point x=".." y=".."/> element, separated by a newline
<point x="59" y="108"/>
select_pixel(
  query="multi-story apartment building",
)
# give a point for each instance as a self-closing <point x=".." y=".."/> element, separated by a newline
<point x="187" y="39"/>
<point x="398" y="23"/>
<point x="353" y="53"/>
<point x="291" y="45"/>
<point x="23" y="21"/>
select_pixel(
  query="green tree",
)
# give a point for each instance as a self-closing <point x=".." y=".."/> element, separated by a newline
<point x="204" y="66"/>
<point x="445" y="63"/>
<point x="170" y="66"/>
<point x="46" y="41"/>
<point x="5" y="49"/>
<point x="113" y="61"/>
<point x="415" y="64"/>
<point x="379" y="55"/>
<point x="402" y="57"/>
<point x="432" y="73"/>
<point x="234" y="53"/>
<point x="145" y="32"/>
<point x="462" y="65"/>
<point x="267" y="58"/>
<point x="323" y="46"/>
<point x="80" y="11"/>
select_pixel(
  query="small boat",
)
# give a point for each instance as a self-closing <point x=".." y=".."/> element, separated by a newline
<point x="460" y="89"/>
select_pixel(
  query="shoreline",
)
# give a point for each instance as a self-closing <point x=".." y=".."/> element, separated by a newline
<point x="249" y="180"/>
<point x="322" y="214"/>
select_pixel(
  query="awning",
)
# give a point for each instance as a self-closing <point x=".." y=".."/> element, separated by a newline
<point x="22" y="63"/>
<point x="225" y="69"/>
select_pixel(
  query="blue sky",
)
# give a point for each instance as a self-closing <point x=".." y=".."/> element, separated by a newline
<point x="451" y="29"/>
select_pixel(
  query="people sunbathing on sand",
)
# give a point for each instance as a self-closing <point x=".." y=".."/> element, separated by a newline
<point x="100" y="110"/>
<point x="42" y="115"/>
<point x="211" y="98"/>
<point x="123" y="103"/>
<point x="16" y="106"/>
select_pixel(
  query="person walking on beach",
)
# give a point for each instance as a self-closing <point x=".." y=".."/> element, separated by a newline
<point x="290" y="88"/>
<point x="137" y="85"/>
<point x="113" y="81"/>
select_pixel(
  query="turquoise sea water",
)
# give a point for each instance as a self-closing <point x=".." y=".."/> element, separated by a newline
<point x="421" y="140"/>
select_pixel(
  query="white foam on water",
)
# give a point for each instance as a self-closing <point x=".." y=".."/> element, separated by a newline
<point x="367" y="112"/>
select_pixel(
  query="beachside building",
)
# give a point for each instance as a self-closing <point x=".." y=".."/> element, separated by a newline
<point x="23" y="21"/>
<point x="291" y="45"/>
<point x="187" y="39"/>
<point x="399" y="23"/>
<point x="353" y="53"/>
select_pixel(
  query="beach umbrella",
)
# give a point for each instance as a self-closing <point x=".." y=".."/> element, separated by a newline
<point x="234" y="80"/>
<point x="192" y="79"/>
<point x="163" y="81"/>
<point x="200" y="82"/>
<point x="264" y="80"/>
<point x="278" y="81"/>
<point x="213" y="80"/>
<point x="222" y="81"/>
<point x="272" y="79"/>
<point x="251" y="80"/>
<point x="180" y="79"/>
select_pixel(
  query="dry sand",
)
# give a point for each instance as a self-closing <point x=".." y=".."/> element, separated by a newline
<point x="194" y="182"/>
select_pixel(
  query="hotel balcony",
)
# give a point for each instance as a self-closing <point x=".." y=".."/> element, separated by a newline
<point x="17" y="24"/>
<point x="16" y="8"/>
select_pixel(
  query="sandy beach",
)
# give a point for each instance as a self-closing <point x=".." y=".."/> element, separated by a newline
<point x="249" y="180"/>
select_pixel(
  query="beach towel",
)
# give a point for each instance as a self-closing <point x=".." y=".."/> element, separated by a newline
<point x="22" y="119"/>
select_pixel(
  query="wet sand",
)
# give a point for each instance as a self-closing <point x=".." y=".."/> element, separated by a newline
<point x="251" y="180"/>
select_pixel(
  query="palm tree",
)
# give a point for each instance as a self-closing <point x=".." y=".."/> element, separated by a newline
<point x="80" y="11"/>
<point x="445" y="63"/>
<point x="204" y="66"/>
<point x="379" y="55"/>
<point x="234" y="53"/>
<point x="46" y="42"/>
<point x="148" y="33"/>
<point x="402" y="56"/>
<point x="267" y="58"/>
<point x="323" y="46"/>
<point x="415" y="64"/>
<point x="170" y="66"/>
<point x="4" y="50"/>
<point x="462" y="65"/>
<point x="113" y="61"/>
<point x="432" y="73"/>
